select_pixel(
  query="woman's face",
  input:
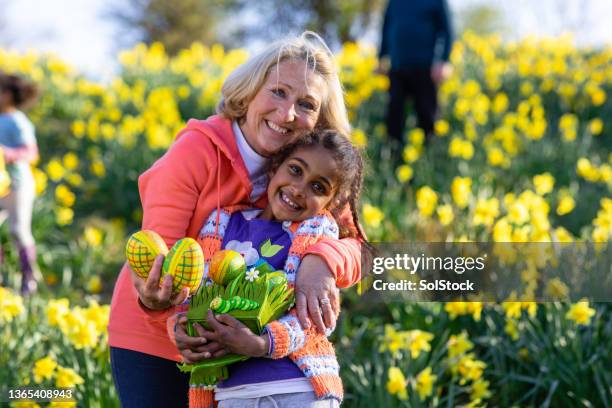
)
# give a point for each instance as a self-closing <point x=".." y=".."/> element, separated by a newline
<point x="286" y="107"/>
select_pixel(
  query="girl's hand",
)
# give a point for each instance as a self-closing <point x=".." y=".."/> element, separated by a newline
<point x="235" y="336"/>
<point x="316" y="292"/>
<point x="153" y="295"/>
<point x="194" y="349"/>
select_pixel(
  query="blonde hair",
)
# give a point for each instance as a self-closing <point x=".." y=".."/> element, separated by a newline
<point x="244" y="82"/>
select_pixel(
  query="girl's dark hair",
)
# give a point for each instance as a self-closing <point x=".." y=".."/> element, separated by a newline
<point x="350" y="163"/>
<point x="22" y="91"/>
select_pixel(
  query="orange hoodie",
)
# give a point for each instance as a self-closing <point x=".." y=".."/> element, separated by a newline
<point x="202" y="171"/>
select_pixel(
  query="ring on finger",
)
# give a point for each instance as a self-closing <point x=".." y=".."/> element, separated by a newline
<point x="324" y="301"/>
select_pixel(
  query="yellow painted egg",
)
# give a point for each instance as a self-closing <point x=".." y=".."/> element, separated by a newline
<point x="185" y="262"/>
<point x="225" y="266"/>
<point x="142" y="248"/>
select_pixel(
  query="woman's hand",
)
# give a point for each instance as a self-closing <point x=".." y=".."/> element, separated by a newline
<point x="316" y="292"/>
<point x="195" y="349"/>
<point x="235" y="336"/>
<point x="440" y="71"/>
<point x="153" y="295"/>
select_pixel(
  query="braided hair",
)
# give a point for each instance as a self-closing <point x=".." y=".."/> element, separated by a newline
<point x="350" y="164"/>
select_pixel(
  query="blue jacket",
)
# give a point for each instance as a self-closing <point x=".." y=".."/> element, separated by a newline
<point x="415" y="33"/>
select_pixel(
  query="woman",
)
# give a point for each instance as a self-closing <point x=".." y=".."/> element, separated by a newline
<point x="273" y="99"/>
<point x="18" y="144"/>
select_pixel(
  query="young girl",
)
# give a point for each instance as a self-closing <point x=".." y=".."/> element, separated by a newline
<point x="310" y="180"/>
<point x="18" y="145"/>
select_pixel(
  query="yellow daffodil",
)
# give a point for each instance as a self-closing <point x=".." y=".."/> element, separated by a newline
<point x="67" y="378"/>
<point x="580" y="313"/>
<point x="461" y="190"/>
<point x="416" y="136"/>
<point x="64" y="196"/>
<point x="461" y="148"/>
<point x="445" y="214"/>
<point x="427" y="200"/>
<point x="556" y="289"/>
<point x="455" y="309"/>
<point x="70" y="161"/>
<point x="486" y="211"/>
<point x="44" y="369"/>
<point x="94" y="284"/>
<point x="55" y="170"/>
<point x="469" y="368"/>
<point x="11" y="305"/>
<point x="418" y="341"/>
<point x="93" y="236"/>
<point x="459" y="344"/>
<point x="480" y="390"/>
<point x="424" y="383"/>
<point x="441" y="127"/>
<point x="411" y="154"/>
<point x="404" y="173"/>
<point x="511" y="329"/>
<point x="396" y="385"/>
<point x="57" y="310"/>
<point x="566" y="205"/>
<point x="62" y="404"/>
<point x="24" y="404"/>
<point x="586" y="170"/>
<point x="372" y="216"/>
<point x="596" y="126"/>
<point x="359" y="137"/>
<point x="64" y="216"/>
<point x="544" y="183"/>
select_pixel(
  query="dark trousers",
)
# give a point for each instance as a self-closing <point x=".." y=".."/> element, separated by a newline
<point x="143" y="380"/>
<point x="415" y="83"/>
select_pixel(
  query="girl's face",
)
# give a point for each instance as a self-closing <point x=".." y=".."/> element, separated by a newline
<point x="285" y="108"/>
<point x="304" y="184"/>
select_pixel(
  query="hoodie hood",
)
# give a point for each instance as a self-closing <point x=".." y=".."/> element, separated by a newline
<point x="219" y="130"/>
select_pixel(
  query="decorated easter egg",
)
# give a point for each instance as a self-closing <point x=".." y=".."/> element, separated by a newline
<point x="185" y="262"/>
<point x="225" y="266"/>
<point x="142" y="248"/>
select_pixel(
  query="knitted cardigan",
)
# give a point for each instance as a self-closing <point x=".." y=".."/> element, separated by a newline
<point x="309" y="349"/>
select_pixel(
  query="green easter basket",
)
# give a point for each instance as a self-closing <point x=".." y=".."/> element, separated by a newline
<point x="273" y="298"/>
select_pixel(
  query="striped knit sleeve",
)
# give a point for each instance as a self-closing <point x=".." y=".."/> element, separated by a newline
<point x="288" y="335"/>
<point x="171" y="327"/>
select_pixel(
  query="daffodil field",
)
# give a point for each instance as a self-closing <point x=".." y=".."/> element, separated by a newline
<point x="521" y="153"/>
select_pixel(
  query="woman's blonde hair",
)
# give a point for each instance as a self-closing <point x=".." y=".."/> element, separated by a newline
<point x="244" y="82"/>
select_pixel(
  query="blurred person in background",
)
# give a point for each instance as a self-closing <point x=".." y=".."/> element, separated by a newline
<point x="414" y="52"/>
<point x="19" y="149"/>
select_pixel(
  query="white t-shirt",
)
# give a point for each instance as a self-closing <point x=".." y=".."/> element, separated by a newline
<point x="259" y="390"/>
<point x="254" y="162"/>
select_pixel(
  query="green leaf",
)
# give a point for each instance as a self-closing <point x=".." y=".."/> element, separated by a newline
<point x="268" y="249"/>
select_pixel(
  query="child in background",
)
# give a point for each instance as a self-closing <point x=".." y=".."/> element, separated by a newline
<point x="18" y="145"/>
<point x="311" y="181"/>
